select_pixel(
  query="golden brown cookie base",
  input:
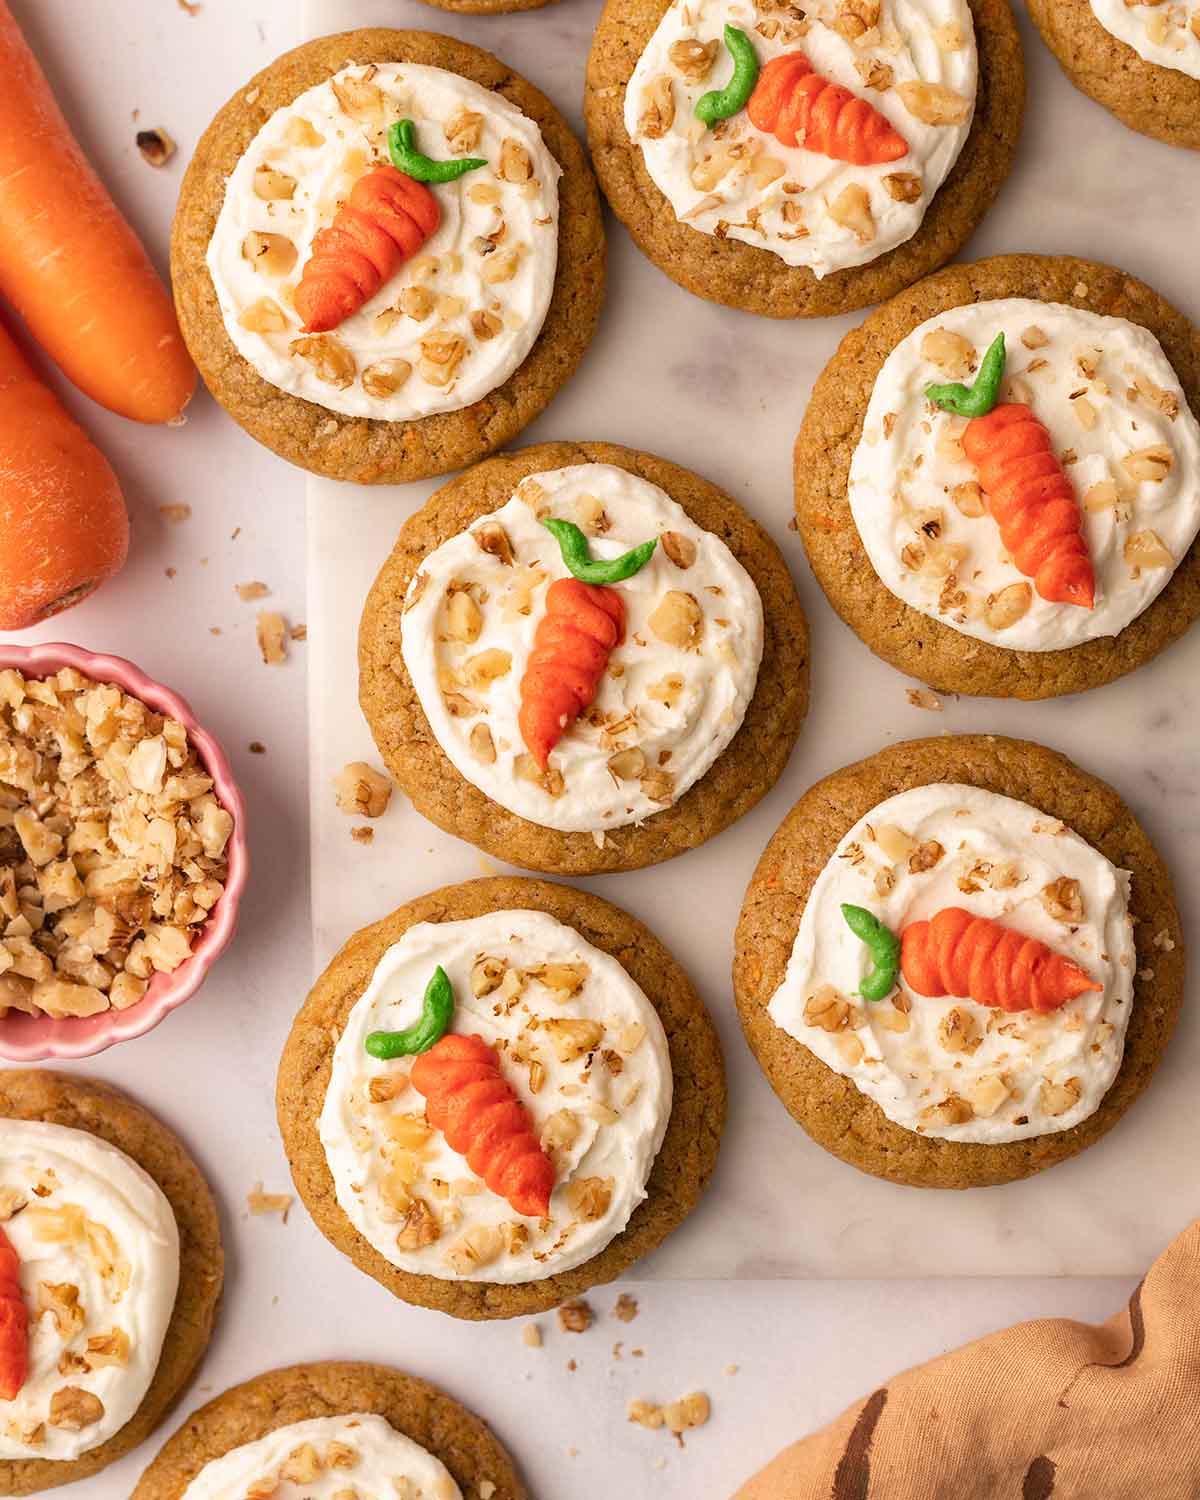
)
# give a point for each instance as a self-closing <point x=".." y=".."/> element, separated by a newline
<point x="359" y="448"/>
<point x="914" y="643"/>
<point x="84" y="1104"/>
<point x="1159" y="102"/>
<point x="755" y="279"/>
<point x="681" y="1170"/>
<point x="829" y="1106"/>
<point x="304" y="1392"/>
<point x="745" y="772"/>
<point x="488" y="7"/>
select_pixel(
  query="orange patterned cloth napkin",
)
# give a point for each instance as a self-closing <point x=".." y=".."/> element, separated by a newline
<point x="1049" y="1410"/>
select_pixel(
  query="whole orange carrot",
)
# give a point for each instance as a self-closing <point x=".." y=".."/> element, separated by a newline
<point x="955" y="953"/>
<point x="63" y="526"/>
<point x="69" y="262"/>
<point x="14" y="1324"/>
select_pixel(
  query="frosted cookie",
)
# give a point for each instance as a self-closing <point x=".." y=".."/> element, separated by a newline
<point x="388" y="255"/>
<point x="328" y="1432"/>
<point x="110" y="1274"/>
<point x="1020" y="522"/>
<point x="959" y="961"/>
<point x="574" y="726"/>
<point x="1141" y="61"/>
<point x="800" y="161"/>
<point x="502" y="1094"/>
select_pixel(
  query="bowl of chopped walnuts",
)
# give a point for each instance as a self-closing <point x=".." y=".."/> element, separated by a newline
<point x="122" y="852"/>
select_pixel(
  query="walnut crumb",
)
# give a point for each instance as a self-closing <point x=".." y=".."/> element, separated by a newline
<point x="531" y="1336"/>
<point x="156" y="146"/>
<point x="260" y="1203"/>
<point x="625" y="1309"/>
<point x="923" y="698"/>
<point x="271" y="630"/>
<point x="361" y="791"/>
<point x="576" y="1316"/>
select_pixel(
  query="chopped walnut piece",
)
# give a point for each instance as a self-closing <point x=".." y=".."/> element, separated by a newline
<point x="492" y="538"/>
<point x="959" y="1031"/>
<point x="588" y="1198"/>
<point x="302" y="1465"/>
<point x="1062" y="899"/>
<point x="680" y="549"/>
<point x="273" y="185"/>
<point x="463" y="131"/>
<point x="987" y="1094"/>
<point x="561" y="1130"/>
<point x="625" y="1308"/>
<point x="934" y="103"/>
<point x="516" y="165"/>
<point x="875" y="74"/>
<point x="904" y="187"/>
<point x="827" y="1010"/>
<point x="72" y="1409"/>
<point x="61" y="1300"/>
<point x="362" y="791"/>
<point x="658" y="108"/>
<point x="1152" y="464"/>
<point x="385" y="377"/>
<point x="923" y="698"/>
<point x="968" y="499"/>
<point x="481" y="744"/>
<point x="677" y="619"/>
<point x="441" y="355"/>
<point x="263" y="316"/>
<point x="479" y="1247"/>
<point x="1057" y="1098"/>
<point x="565" y="979"/>
<point x="359" y="98"/>
<point x="852" y="210"/>
<point x="12" y="1201"/>
<point x="572" y="1038"/>
<point x="260" y="1203"/>
<point x="646" y="1414"/>
<point x="952" y="1110"/>
<point x="576" y="1316"/>
<point x="953" y="354"/>
<point x="1009" y="605"/>
<point x="693" y="58"/>
<point x="330" y="359"/>
<point x="925" y="856"/>
<point x="272" y="632"/>
<point x="463" y="618"/>
<point x="270" y="254"/>
<point x="420" y="1227"/>
<point x="1145" y="549"/>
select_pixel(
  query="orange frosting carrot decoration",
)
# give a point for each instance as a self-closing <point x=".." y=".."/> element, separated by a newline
<point x="385" y="221"/>
<point x="571" y="647"/>
<point x="800" y="108"/>
<point x="14" y="1324"/>
<point x="1032" y="501"/>
<point x="955" y="953"/>
<point x="475" y="1108"/>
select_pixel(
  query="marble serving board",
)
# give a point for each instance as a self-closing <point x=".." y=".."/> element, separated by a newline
<point x="724" y="392"/>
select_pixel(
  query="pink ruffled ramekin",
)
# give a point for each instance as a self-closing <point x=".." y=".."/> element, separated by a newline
<point x="32" y="1038"/>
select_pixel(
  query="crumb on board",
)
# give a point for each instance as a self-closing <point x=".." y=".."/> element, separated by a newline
<point x="531" y="1336"/>
<point x="362" y="834"/>
<point x="156" y="146"/>
<point x="260" y="1203"/>
<point x="923" y="698"/>
<point x="625" y="1309"/>
<point x="255" y="589"/>
<point x="576" y="1316"/>
<point x="299" y="632"/>
<point x="271" y="631"/>
<point x="256" y="747"/>
<point x="677" y="1417"/>
<point x="170" y="572"/>
<point x="174" y="514"/>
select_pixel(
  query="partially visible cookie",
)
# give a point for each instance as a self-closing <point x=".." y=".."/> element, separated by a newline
<point x="606" y="1051"/>
<point x="886" y="490"/>
<point x="297" y="1418"/>
<point x="59" y="1106"/>
<point x="753" y="212"/>
<point x="1140" y="61"/>
<point x="693" y="712"/>
<point x="494" y="280"/>
<point x="979" y="1074"/>
<point x="488" y="7"/>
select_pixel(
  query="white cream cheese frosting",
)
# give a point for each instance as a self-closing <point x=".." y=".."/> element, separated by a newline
<point x="327" y="1458"/>
<point x="676" y="688"/>
<point x="1118" y="421"/>
<point x="738" y="182"/>
<point x="947" y="1066"/>
<point x="582" y="1048"/>
<point x="1167" y="35"/>
<point x="99" y="1268"/>
<point x="458" y="317"/>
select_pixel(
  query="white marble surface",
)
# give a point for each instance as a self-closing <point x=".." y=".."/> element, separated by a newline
<point x="804" y="1348"/>
<point x="724" y="392"/>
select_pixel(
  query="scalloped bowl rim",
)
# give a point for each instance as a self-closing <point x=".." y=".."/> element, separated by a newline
<point x="34" y="1038"/>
